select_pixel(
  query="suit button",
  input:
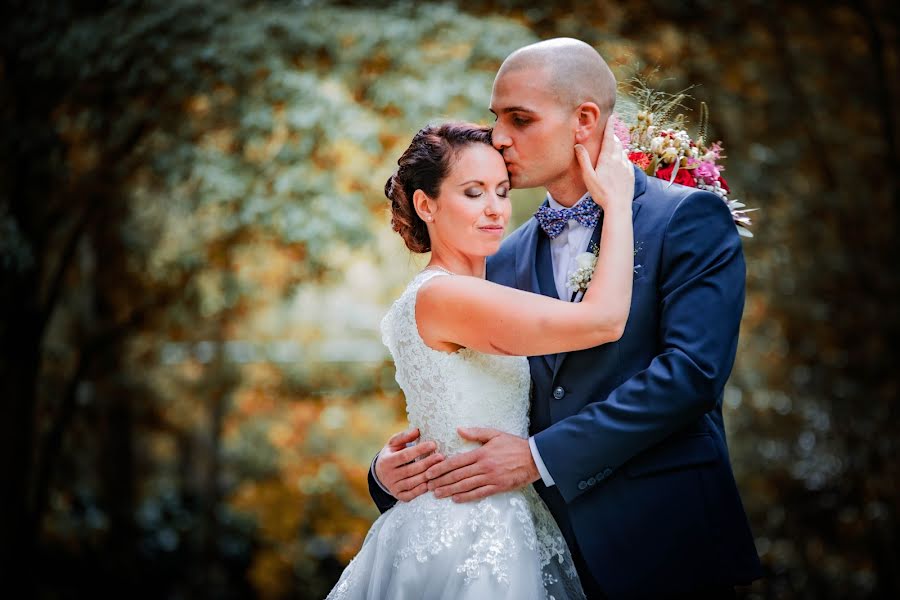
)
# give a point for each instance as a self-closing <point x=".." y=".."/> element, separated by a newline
<point x="600" y="477"/>
<point x="558" y="393"/>
<point x="607" y="472"/>
<point x="582" y="485"/>
<point x="592" y="481"/>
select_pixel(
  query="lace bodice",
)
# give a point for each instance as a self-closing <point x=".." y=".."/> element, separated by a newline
<point x="503" y="546"/>
<point x="445" y="391"/>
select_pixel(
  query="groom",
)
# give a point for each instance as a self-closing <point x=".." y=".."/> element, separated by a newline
<point x="628" y="444"/>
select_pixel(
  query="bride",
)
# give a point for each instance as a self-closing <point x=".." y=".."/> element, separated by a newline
<point x="459" y="344"/>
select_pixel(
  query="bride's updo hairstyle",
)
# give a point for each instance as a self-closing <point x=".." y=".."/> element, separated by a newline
<point x="423" y="166"/>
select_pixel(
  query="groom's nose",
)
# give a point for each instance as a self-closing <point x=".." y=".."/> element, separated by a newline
<point x="500" y="139"/>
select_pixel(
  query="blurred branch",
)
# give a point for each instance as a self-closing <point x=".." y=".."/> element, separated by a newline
<point x="789" y="72"/>
<point x="53" y="441"/>
<point x="65" y="259"/>
<point x="883" y="98"/>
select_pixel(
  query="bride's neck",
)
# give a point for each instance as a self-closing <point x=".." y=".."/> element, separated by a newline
<point x="458" y="264"/>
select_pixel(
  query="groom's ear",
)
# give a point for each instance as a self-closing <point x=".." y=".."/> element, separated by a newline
<point x="589" y="125"/>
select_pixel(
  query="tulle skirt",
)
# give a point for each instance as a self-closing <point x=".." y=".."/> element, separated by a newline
<point x="504" y="546"/>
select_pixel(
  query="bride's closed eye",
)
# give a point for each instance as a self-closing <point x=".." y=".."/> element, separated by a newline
<point x="476" y="192"/>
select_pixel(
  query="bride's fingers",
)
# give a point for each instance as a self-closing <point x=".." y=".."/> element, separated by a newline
<point x="584" y="161"/>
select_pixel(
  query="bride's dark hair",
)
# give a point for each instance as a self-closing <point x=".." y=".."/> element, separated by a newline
<point x="423" y="166"/>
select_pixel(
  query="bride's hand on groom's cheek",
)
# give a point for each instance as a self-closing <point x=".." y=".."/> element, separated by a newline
<point x="401" y="469"/>
<point x="503" y="463"/>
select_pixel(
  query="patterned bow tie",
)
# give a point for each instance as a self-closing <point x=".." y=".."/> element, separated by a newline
<point x="554" y="221"/>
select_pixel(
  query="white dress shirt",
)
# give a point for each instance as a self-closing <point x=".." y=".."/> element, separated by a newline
<point x="564" y="249"/>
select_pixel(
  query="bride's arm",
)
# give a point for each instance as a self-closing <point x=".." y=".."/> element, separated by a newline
<point x="483" y="316"/>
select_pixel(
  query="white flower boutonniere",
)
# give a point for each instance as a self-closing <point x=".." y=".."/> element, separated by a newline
<point x="586" y="262"/>
<point x="584" y="269"/>
<point x="581" y="276"/>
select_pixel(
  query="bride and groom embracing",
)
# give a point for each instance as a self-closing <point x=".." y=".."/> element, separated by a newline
<point x="597" y="466"/>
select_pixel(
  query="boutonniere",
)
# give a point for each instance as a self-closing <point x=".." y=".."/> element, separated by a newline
<point x="584" y="269"/>
<point x="586" y="262"/>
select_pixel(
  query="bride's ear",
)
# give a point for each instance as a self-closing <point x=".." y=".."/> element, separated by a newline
<point x="424" y="206"/>
<point x="589" y="125"/>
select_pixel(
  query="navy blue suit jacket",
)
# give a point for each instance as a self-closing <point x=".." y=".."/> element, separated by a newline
<point x="632" y="431"/>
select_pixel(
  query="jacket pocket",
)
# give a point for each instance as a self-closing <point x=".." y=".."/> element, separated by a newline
<point x="678" y="453"/>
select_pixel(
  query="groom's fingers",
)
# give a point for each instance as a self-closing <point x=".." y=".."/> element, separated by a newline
<point x="463" y="486"/>
<point x="417" y="467"/>
<point x="398" y="440"/>
<point x="477" y="494"/>
<point x="454" y="462"/>
<point x="407" y="455"/>
<point x="413" y="493"/>
<point x="478" y="434"/>
<point x="454" y="476"/>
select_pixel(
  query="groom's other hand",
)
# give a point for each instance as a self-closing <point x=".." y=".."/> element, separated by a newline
<point x="401" y="468"/>
<point x="503" y="463"/>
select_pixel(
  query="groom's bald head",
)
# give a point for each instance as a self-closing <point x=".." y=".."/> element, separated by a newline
<point x="575" y="72"/>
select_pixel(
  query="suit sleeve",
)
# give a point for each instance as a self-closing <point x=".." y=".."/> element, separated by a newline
<point x="701" y="292"/>
<point x="381" y="498"/>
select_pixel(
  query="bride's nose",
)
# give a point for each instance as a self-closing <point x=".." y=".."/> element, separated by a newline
<point x="492" y="205"/>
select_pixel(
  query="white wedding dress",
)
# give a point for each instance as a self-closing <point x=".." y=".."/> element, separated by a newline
<point x="505" y="546"/>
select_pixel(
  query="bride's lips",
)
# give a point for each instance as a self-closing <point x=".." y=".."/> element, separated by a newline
<point x="493" y="229"/>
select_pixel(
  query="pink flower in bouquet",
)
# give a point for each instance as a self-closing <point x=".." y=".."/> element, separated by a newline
<point x="621" y="130"/>
<point x="707" y="171"/>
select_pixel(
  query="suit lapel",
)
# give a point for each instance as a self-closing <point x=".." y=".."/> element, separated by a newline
<point x="534" y="267"/>
<point x="526" y="255"/>
<point x="640" y="185"/>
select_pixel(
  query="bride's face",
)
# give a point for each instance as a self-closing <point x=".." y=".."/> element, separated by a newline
<point x="472" y="209"/>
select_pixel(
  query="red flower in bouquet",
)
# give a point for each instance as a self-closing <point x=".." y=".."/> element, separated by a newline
<point x="683" y="176"/>
<point x="640" y="159"/>
<point x="660" y="145"/>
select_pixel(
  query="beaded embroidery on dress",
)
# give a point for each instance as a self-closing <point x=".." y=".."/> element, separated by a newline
<point x="504" y="546"/>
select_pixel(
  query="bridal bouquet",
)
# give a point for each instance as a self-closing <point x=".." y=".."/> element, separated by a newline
<point x="660" y="145"/>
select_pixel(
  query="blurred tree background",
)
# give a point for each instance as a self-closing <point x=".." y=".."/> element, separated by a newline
<point x="195" y="258"/>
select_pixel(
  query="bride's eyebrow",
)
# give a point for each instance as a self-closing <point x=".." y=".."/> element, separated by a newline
<point x="481" y="183"/>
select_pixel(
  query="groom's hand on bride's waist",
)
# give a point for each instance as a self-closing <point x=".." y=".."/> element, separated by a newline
<point x="401" y="468"/>
<point x="503" y="463"/>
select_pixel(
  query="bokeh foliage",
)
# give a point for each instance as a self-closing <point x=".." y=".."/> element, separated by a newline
<point x="195" y="256"/>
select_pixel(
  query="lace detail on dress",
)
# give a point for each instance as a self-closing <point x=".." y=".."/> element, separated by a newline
<point x="445" y="391"/>
<point x="504" y="546"/>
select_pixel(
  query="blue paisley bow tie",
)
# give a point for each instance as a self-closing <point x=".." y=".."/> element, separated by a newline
<point x="554" y="221"/>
